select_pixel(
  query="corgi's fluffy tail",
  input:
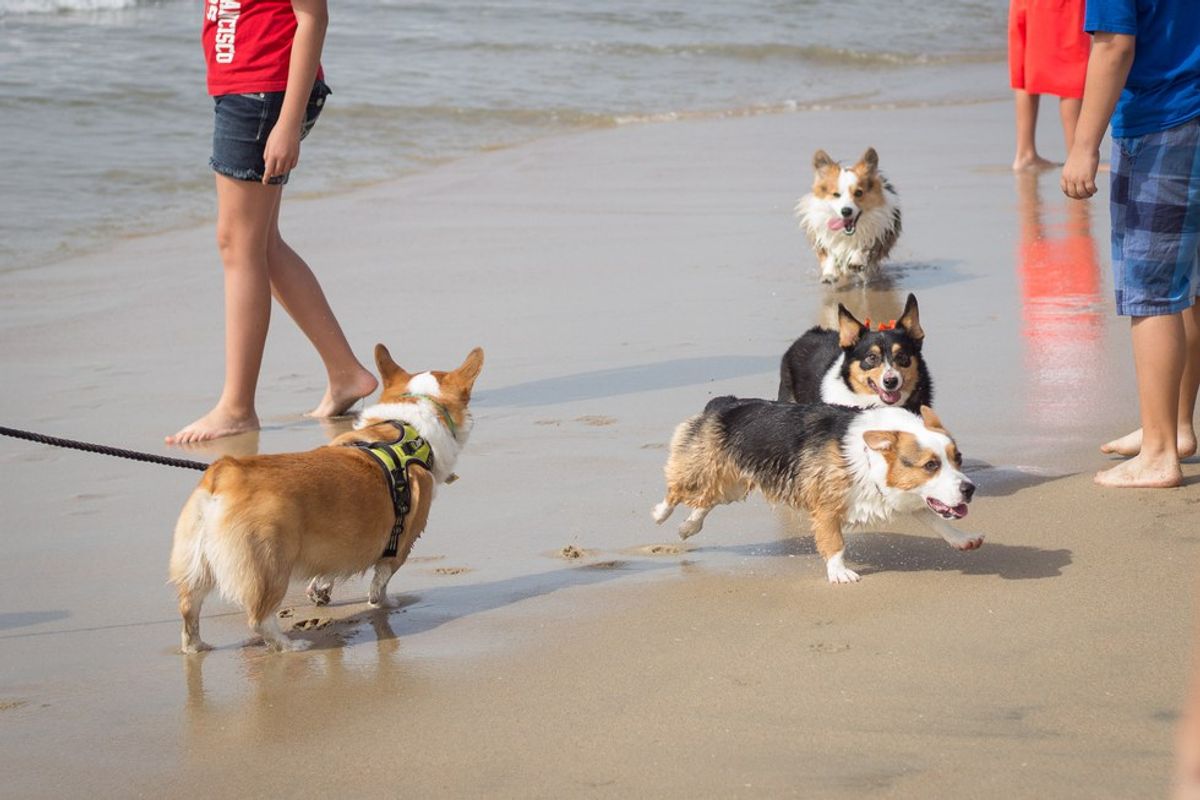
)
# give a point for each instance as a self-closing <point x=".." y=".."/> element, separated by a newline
<point x="190" y="569"/>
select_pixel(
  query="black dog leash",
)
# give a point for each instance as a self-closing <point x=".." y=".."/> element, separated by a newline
<point x="133" y="455"/>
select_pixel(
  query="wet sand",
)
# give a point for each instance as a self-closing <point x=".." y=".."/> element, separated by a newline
<point x="617" y="280"/>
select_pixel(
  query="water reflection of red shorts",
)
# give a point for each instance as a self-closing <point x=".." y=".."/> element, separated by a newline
<point x="1047" y="48"/>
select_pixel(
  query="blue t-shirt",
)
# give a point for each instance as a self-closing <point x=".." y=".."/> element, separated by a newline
<point x="1163" y="88"/>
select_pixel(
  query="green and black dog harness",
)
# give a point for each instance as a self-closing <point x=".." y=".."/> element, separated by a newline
<point x="394" y="459"/>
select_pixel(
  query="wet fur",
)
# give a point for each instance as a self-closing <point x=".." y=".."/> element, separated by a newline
<point x="825" y="366"/>
<point x="254" y="524"/>
<point x="817" y="458"/>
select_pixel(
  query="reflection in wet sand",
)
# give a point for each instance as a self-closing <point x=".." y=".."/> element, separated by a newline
<point x="1062" y="310"/>
<point x="260" y="697"/>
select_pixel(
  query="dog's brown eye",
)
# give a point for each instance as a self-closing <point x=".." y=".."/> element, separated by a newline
<point x="871" y="361"/>
<point x="958" y="459"/>
<point x="837" y="194"/>
<point x="903" y="359"/>
<point x="932" y="465"/>
<point x="858" y="192"/>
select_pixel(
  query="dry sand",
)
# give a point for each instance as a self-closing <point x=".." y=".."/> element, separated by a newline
<point x="553" y="642"/>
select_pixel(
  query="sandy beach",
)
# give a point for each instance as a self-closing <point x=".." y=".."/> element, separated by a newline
<point x="617" y="280"/>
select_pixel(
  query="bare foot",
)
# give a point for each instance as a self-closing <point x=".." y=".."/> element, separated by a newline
<point x="1131" y="444"/>
<point x="214" y="425"/>
<point x="1140" y="472"/>
<point x="1033" y="163"/>
<point x="341" y="397"/>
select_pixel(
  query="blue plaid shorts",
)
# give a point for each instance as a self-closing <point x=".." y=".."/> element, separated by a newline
<point x="1155" y="204"/>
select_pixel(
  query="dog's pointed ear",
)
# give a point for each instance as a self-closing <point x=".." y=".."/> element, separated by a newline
<point x="468" y="371"/>
<point x="910" y="320"/>
<point x="870" y="159"/>
<point x="821" y="160"/>
<point x="931" y="420"/>
<point x="389" y="370"/>
<point x="849" y="328"/>
<point x="880" y="440"/>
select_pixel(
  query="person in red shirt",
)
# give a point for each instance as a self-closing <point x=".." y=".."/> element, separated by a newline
<point x="1047" y="54"/>
<point x="268" y="89"/>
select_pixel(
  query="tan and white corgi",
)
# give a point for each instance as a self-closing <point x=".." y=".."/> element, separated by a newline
<point x="851" y="216"/>
<point x="253" y="524"/>
<point x="844" y="466"/>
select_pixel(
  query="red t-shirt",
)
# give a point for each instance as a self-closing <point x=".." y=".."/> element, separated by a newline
<point x="248" y="45"/>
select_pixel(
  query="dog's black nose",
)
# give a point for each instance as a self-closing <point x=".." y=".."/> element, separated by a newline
<point x="891" y="382"/>
<point x="847" y="212"/>
<point x="968" y="490"/>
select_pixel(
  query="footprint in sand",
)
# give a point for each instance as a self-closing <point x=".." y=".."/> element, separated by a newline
<point x="547" y="422"/>
<point x="423" y="559"/>
<point x="9" y="705"/>
<point x="313" y="624"/>
<point x="284" y="613"/>
<point x="450" y="570"/>
<point x="573" y="552"/>
<point x="596" y="421"/>
<point x="605" y="565"/>
<point x="659" y="550"/>
<point x="829" y="647"/>
<point x="654" y="446"/>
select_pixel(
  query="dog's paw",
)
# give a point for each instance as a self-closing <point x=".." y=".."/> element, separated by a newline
<point x="843" y="575"/>
<point x="382" y="601"/>
<point x="829" y="277"/>
<point x="661" y="512"/>
<point x="837" y="570"/>
<point x="968" y="543"/>
<point x="193" y="648"/>
<point x="319" y="593"/>
<point x="690" y="528"/>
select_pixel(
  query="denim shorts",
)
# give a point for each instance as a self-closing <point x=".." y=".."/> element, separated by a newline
<point x="1155" y="204"/>
<point x="242" y="124"/>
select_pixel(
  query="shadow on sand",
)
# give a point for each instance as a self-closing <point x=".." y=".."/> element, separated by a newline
<point x="874" y="552"/>
<point x="670" y="374"/>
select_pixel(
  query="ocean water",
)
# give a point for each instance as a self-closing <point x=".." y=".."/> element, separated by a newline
<point x="105" y="125"/>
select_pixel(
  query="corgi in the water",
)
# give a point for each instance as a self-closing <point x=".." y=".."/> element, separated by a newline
<point x="851" y="216"/>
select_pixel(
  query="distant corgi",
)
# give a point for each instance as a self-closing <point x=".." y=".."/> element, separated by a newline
<point x="860" y="367"/>
<point x="851" y="216"/>
<point x="845" y="466"/>
<point x="255" y="523"/>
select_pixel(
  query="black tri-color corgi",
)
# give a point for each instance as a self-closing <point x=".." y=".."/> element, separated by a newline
<point x="859" y="367"/>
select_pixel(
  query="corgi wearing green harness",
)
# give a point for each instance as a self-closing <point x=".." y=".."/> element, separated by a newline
<point x="253" y="524"/>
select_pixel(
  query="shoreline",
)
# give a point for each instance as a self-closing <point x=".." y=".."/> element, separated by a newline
<point x="617" y="279"/>
<point x="75" y="251"/>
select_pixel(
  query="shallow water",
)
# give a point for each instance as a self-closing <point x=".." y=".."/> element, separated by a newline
<point x="105" y="127"/>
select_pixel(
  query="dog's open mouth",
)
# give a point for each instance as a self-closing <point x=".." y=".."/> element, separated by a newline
<point x="946" y="512"/>
<point x="843" y="224"/>
<point x="890" y="397"/>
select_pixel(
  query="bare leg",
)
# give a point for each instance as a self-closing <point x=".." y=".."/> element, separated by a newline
<point x="1159" y="345"/>
<point x="1131" y="443"/>
<point x="1068" y="112"/>
<point x="298" y="291"/>
<point x="1027" y="113"/>
<point x="244" y="213"/>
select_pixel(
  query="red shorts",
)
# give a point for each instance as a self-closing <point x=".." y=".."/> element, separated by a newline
<point x="1047" y="48"/>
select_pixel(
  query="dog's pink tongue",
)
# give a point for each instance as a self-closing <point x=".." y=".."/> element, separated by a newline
<point x="836" y="224"/>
